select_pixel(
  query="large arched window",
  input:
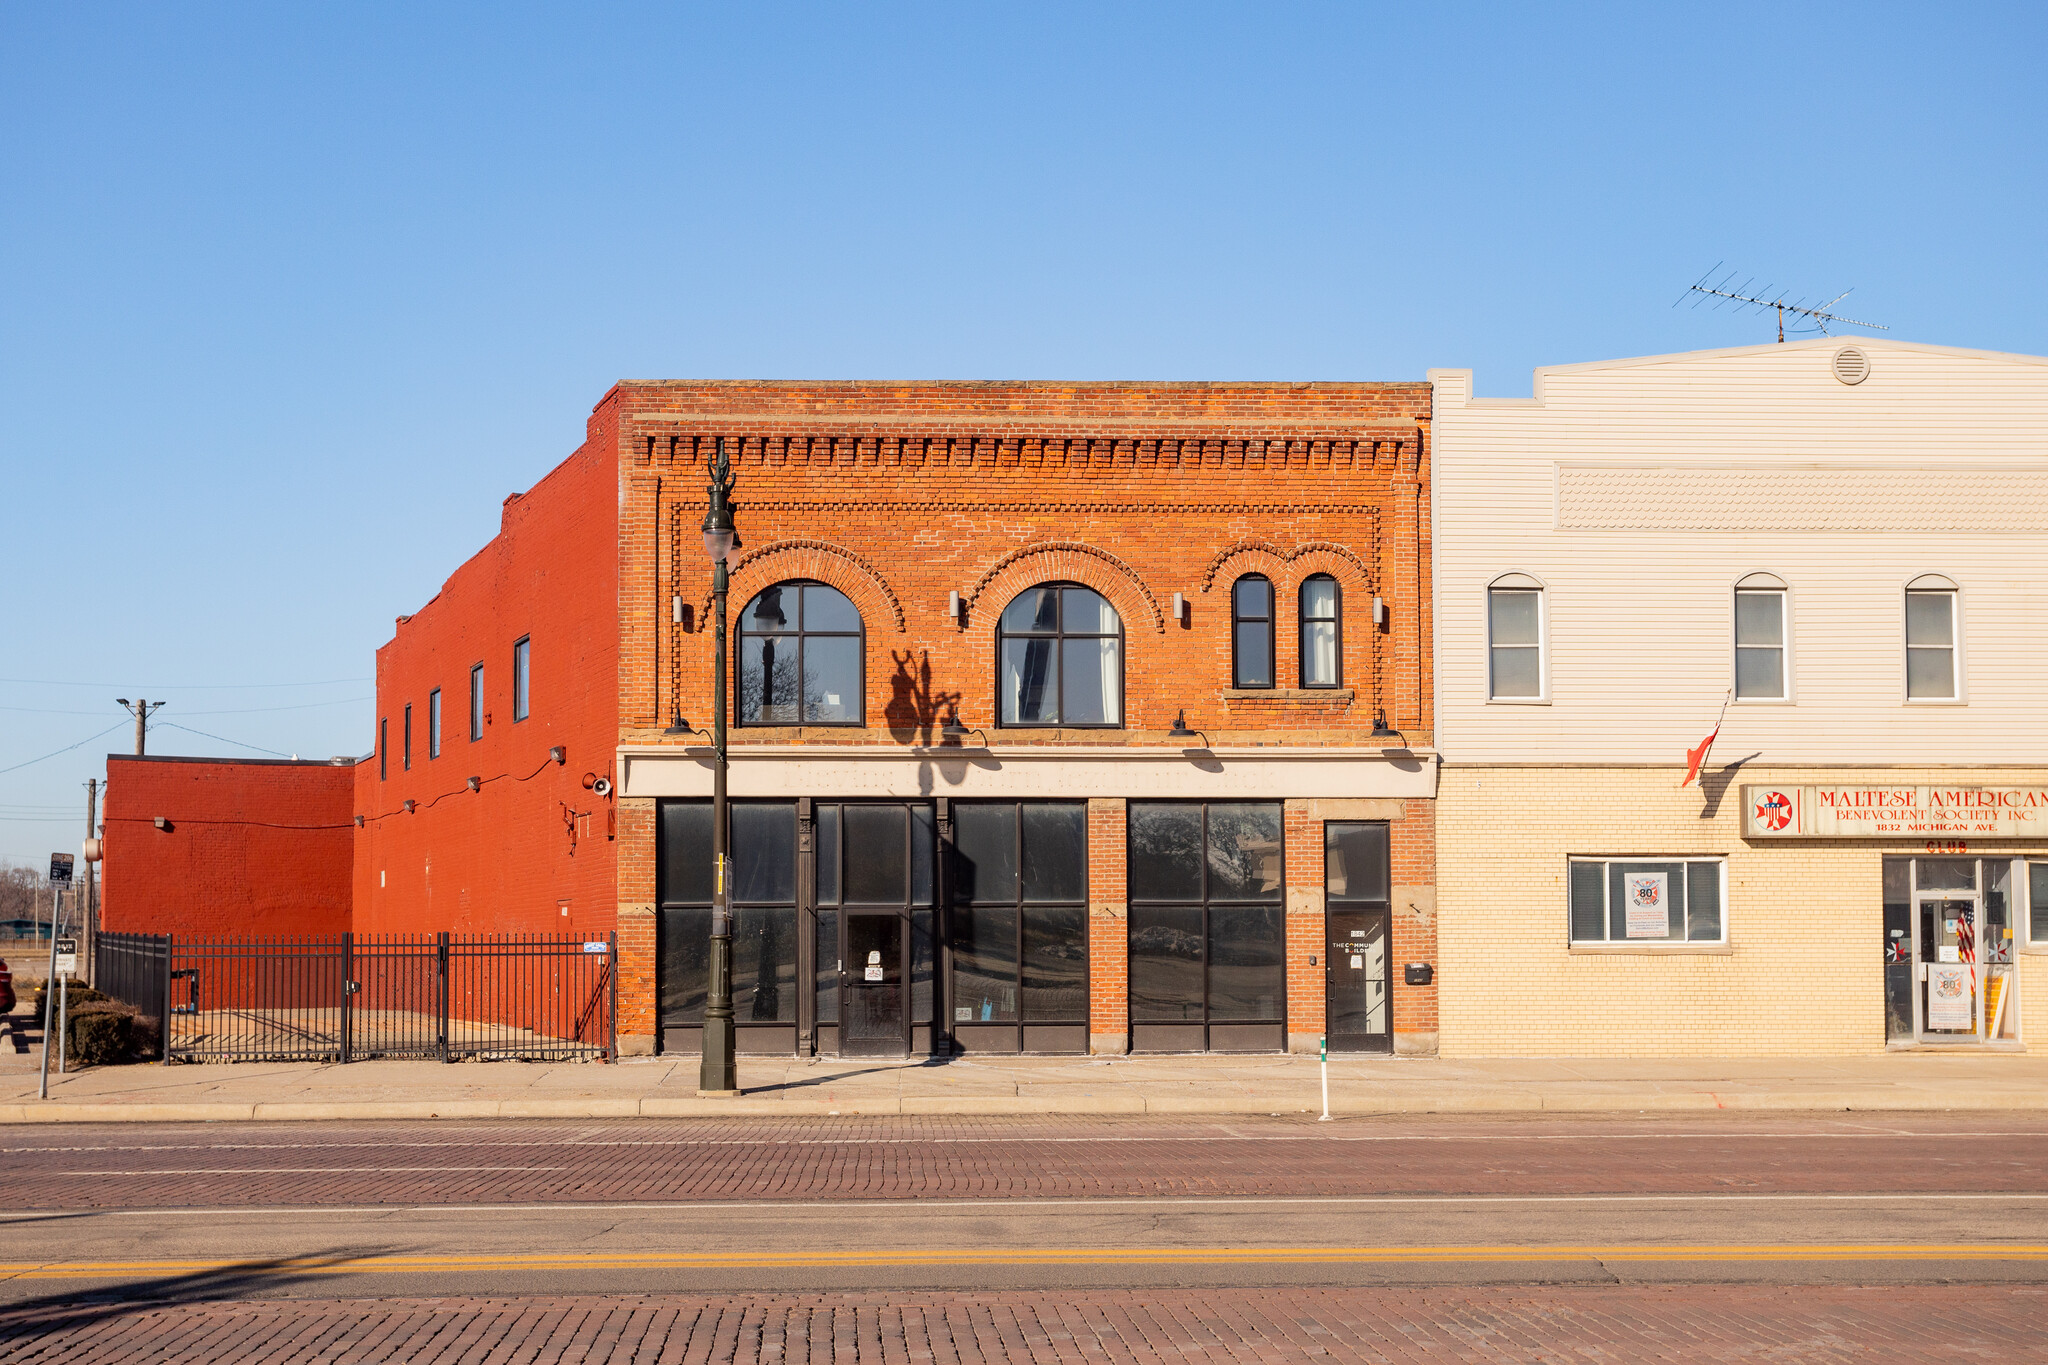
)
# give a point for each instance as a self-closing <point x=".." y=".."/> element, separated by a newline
<point x="1060" y="658"/>
<point x="1251" y="631"/>
<point x="1322" y="633"/>
<point x="800" y="657"/>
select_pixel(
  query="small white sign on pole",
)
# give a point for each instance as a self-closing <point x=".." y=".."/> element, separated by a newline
<point x="67" y="957"/>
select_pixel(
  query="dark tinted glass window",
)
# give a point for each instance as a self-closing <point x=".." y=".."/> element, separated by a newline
<point x="827" y="821"/>
<point x="1166" y="963"/>
<point x="984" y="963"/>
<point x="764" y="964"/>
<point x="685" y="962"/>
<point x="686" y="852"/>
<point x="1055" y="962"/>
<point x="1637" y="891"/>
<point x="1055" y="851"/>
<point x="1166" y="851"/>
<point x="764" y="852"/>
<point x="2037" y="877"/>
<point x="800" y="650"/>
<point x="1589" y="901"/>
<point x="875" y="854"/>
<point x="985" y="842"/>
<point x="1703" y="901"/>
<point x="1246" y="976"/>
<point x="1355" y="860"/>
<point x="522" y="678"/>
<point x="1244" y="851"/>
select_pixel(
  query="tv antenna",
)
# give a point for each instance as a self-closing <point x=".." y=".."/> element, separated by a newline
<point x="1815" y="318"/>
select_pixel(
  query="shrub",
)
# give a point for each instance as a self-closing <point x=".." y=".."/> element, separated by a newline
<point x="79" y="994"/>
<point x="100" y="1031"/>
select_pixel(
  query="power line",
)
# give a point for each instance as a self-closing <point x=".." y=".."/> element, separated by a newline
<point x="69" y="747"/>
<point x="230" y="711"/>
<point x="222" y="738"/>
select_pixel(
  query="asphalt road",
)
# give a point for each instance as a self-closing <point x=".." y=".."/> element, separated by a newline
<point x="933" y="1204"/>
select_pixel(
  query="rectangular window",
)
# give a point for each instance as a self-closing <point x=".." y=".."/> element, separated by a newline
<point x="1206" y="926"/>
<point x="1931" y="645"/>
<point x="1514" y="635"/>
<point x="520" y="678"/>
<point x="1760" y="644"/>
<point x="383" y="748"/>
<point x="1646" y="900"/>
<point x="764" y="913"/>
<point x="1019" y="922"/>
<point x="405" y="760"/>
<point x="434" y="723"/>
<point x="476" y="703"/>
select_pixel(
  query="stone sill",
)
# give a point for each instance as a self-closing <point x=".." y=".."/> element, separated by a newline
<point x="1652" y="950"/>
<point x="1322" y="694"/>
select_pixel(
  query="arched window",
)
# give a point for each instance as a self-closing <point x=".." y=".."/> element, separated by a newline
<point x="1060" y="658"/>
<point x="1933" y="641"/>
<point x="1251" y="631"/>
<point x="1322" y="633"/>
<point x="1762" y="639"/>
<point x="799" y="657"/>
<point x="1516" y="640"/>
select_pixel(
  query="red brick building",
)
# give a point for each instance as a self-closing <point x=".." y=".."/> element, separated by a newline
<point x="965" y="620"/>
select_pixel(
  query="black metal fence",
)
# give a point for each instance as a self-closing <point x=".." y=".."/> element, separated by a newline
<point x="443" y="997"/>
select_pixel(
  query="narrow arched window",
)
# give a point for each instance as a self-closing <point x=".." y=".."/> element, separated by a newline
<point x="799" y="657"/>
<point x="1060" y="658"/>
<point x="1933" y="641"/>
<point x="1322" y="634"/>
<point x="1251" y="632"/>
<point x="1761" y="640"/>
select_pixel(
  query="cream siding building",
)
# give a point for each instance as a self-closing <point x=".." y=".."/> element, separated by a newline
<point x="1860" y="529"/>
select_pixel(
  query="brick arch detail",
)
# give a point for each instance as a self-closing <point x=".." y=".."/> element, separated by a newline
<point x="1074" y="562"/>
<point x="1312" y="556"/>
<point x="819" y="560"/>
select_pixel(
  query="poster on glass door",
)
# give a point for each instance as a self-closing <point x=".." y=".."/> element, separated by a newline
<point x="1951" y="1002"/>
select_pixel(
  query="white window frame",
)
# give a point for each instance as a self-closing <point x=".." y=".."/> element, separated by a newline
<point x="1762" y="581"/>
<point x="1643" y="945"/>
<point x="1934" y="582"/>
<point x="1520" y="582"/>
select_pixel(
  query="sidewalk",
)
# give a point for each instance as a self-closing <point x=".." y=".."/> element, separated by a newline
<point x="666" y="1087"/>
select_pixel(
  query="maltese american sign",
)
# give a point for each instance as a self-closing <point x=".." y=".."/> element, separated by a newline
<point x="1880" y="812"/>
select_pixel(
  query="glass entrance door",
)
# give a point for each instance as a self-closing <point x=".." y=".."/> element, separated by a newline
<point x="873" y="1021"/>
<point x="1950" y="995"/>
<point x="1361" y="1019"/>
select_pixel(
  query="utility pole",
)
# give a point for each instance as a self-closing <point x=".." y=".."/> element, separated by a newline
<point x="141" y="709"/>
<point x="89" y="908"/>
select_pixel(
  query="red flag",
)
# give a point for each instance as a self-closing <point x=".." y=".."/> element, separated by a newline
<point x="1696" y="758"/>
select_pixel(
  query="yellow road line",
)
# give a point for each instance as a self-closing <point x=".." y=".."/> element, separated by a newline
<point x="1394" y="1255"/>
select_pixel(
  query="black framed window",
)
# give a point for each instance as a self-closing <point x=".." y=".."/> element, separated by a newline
<point x="405" y="756"/>
<point x="434" y="723"/>
<point x="1322" y="632"/>
<point x="476" y="703"/>
<point x="522" y="677"/>
<point x="1019" y="923"/>
<point x="1251" y="631"/>
<point x="764" y="913"/>
<point x="383" y="748"/>
<point x="1060" y="659"/>
<point x="1207" y="924"/>
<point x="800" y="657"/>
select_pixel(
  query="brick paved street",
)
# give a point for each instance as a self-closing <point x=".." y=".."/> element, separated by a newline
<point x="1784" y="1326"/>
<point x="959" y="1158"/>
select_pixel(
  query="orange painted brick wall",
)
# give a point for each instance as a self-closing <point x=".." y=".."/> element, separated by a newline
<point x="254" y="847"/>
<point x="532" y="850"/>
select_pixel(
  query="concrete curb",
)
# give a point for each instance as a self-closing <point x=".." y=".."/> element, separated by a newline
<point x="1485" y="1102"/>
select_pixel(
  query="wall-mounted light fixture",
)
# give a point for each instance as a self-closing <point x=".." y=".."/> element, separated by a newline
<point x="163" y="822"/>
<point x="953" y="605"/>
<point x="359" y="822"/>
<point x="1180" y="609"/>
<point x="476" y="783"/>
<point x="559" y="753"/>
<point x="407" y="805"/>
<point x="1380" y="728"/>
<point x="675" y="609"/>
<point x="1379" y="612"/>
<point x="957" y="729"/>
<point x="1180" y="726"/>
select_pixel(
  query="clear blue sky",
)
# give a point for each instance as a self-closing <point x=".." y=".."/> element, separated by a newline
<point x="294" y="295"/>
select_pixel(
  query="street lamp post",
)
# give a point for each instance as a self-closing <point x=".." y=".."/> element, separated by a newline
<point x="718" y="1075"/>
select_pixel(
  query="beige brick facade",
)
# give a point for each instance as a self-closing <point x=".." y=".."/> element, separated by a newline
<point x="1801" y="971"/>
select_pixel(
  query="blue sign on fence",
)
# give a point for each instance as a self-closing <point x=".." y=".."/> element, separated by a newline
<point x="597" y="947"/>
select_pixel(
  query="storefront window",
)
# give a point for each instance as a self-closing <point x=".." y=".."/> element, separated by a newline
<point x="1206" y="924"/>
<point x="1646" y="900"/>
<point x="764" y="911"/>
<point x="1019" y="922"/>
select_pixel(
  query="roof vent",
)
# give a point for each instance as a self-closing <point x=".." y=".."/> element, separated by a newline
<point x="1851" y="365"/>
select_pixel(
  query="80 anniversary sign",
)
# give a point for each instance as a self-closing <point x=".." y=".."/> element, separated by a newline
<point x="1878" y="812"/>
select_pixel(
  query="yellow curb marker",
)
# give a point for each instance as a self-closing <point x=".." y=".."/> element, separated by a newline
<point x="1417" y="1255"/>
